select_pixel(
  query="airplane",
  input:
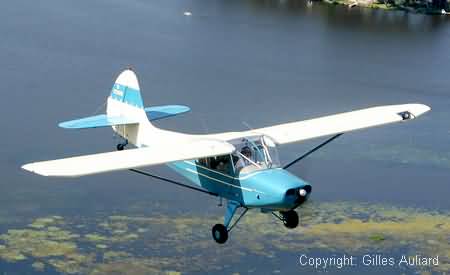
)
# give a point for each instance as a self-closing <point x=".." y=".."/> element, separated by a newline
<point x="241" y="167"/>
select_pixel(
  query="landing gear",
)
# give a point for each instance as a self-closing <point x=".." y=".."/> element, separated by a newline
<point x="121" y="146"/>
<point x="290" y="219"/>
<point x="220" y="233"/>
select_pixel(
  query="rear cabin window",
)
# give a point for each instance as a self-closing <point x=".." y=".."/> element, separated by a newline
<point x="220" y="164"/>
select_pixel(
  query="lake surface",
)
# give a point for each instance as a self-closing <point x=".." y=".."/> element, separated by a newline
<point x="234" y="63"/>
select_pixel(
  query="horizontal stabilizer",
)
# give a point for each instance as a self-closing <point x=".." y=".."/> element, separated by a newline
<point x="97" y="121"/>
<point x="133" y="158"/>
<point x="153" y="113"/>
<point x="160" y="112"/>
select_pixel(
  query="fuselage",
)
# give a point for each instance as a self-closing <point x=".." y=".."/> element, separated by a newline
<point x="270" y="189"/>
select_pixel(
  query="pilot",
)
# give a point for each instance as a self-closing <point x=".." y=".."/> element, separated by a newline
<point x="222" y="167"/>
<point x="242" y="162"/>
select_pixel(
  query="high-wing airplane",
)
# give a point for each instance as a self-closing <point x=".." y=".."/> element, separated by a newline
<point x="241" y="167"/>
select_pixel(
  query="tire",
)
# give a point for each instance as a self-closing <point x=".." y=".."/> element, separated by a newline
<point x="120" y="147"/>
<point x="219" y="233"/>
<point x="290" y="219"/>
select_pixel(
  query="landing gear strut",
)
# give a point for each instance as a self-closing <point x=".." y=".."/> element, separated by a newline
<point x="121" y="146"/>
<point x="220" y="231"/>
<point x="289" y="218"/>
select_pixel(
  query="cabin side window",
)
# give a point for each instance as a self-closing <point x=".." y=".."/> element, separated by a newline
<point x="221" y="164"/>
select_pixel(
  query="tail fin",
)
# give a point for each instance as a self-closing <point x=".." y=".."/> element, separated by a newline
<point x="125" y="94"/>
<point x="125" y="101"/>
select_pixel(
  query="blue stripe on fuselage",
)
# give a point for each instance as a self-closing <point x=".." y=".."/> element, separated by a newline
<point x="263" y="188"/>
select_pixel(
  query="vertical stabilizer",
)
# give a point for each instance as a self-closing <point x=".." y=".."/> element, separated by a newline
<point x="126" y="90"/>
<point x="125" y="100"/>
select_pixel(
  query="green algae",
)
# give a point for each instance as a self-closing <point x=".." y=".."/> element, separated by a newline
<point x="47" y="242"/>
<point x="42" y="222"/>
<point x="101" y="246"/>
<point x="39" y="243"/>
<point x="38" y="266"/>
<point x="124" y="238"/>
<point x="133" y="266"/>
<point x="12" y="255"/>
<point x="377" y="238"/>
<point x="108" y="243"/>
<point x="142" y="230"/>
<point x="95" y="237"/>
<point x="65" y="266"/>
<point x="114" y="255"/>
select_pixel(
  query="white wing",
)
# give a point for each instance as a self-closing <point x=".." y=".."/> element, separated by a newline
<point x="133" y="158"/>
<point x="192" y="147"/>
<point x="334" y="124"/>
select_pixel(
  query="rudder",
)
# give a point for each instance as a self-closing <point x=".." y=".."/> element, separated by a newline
<point x="125" y="101"/>
<point x="126" y="89"/>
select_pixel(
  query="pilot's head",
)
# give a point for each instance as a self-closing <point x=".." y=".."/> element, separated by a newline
<point x="246" y="152"/>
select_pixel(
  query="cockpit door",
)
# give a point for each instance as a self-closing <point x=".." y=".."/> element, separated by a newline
<point x="217" y="174"/>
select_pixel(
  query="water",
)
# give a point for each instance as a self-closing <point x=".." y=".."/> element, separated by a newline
<point x="259" y="62"/>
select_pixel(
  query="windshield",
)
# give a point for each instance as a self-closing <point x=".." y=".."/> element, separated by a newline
<point x="254" y="153"/>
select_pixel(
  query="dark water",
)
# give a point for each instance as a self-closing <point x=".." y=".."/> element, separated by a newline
<point x="259" y="62"/>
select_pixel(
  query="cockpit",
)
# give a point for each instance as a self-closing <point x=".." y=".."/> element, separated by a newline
<point x="252" y="154"/>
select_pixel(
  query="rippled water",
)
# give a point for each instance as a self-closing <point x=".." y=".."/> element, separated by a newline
<point x="258" y="62"/>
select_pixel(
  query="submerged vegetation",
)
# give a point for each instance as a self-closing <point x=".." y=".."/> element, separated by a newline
<point x="170" y="245"/>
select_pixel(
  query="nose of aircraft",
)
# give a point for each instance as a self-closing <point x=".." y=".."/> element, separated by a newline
<point x="298" y="195"/>
<point x="280" y="180"/>
<point x="297" y="192"/>
<point x="287" y="190"/>
<point x="293" y="190"/>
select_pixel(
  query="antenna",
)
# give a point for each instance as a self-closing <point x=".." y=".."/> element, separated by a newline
<point x="247" y="125"/>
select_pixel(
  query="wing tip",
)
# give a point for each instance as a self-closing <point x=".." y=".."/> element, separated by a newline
<point x="30" y="167"/>
<point x="27" y="167"/>
<point x="419" y="109"/>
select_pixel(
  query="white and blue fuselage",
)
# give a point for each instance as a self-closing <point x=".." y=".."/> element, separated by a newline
<point x="271" y="189"/>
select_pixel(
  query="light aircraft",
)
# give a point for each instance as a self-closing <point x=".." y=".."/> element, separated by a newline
<point x="241" y="167"/>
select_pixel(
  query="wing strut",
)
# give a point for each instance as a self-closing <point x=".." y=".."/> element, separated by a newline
<point x="312" y="150"/>
<point x="173" y="182"/>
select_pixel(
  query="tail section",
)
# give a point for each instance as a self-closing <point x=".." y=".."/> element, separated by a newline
<point x="125" y="101"/>
<point x="126" y="114"/>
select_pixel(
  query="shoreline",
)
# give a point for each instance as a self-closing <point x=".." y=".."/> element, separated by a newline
<point x="371" y="4"/>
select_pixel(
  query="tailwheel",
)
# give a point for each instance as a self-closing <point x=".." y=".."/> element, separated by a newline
<point x="290" y="218"/>
<point x="121" y="146"/>
<point x="220" y="233"/>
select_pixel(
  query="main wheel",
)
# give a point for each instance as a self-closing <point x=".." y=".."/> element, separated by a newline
<point x="290" y="219"/>
<point x="220" y="233"/>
